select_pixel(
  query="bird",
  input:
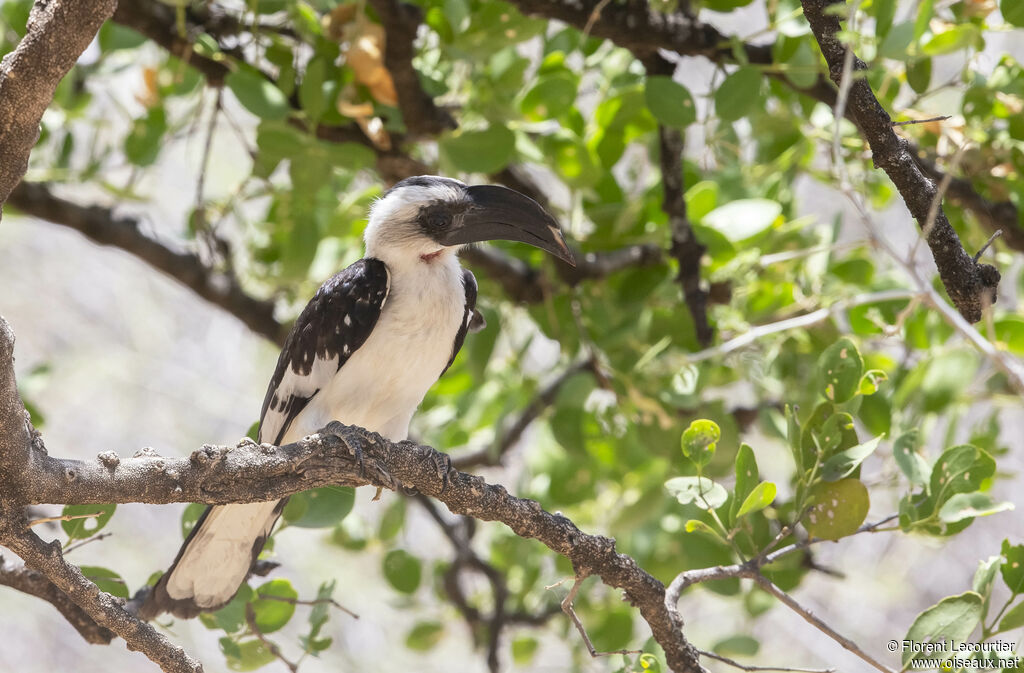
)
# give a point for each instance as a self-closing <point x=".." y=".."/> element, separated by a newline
<point x="364" y="351"/>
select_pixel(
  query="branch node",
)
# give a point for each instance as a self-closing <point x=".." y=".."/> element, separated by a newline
<point x="109" y="459"/>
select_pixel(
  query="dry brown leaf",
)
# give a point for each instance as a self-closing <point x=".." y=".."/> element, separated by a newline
<point x="150" y="89"/>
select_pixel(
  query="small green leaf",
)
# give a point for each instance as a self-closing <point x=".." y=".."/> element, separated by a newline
<point x="392" y="520"/>
<point x="523" y="650"/>
<point x="311" y="91"/>
<point x="762" y="496"/>
<point x="698" y="526"/>
<point x="231" y="617"/>
<point x="402" y="570"/>
<point x="919" y="74"/>
<point x="107" y="580"/>
<point x="738" y="94"/>
<point x="190" y="516"/>
<point x="969" y="505"/>
<point x="87" y="526"/>
<point x="274" y="604"/>
<point x="910" y="462"/>
<point x="952" y="620"/>
<point x="700" y="490"/>
<point x="320" y="507"/>
<point x="870" y="382"/>
<point x="840" y="507"/>
<point x="247" y="655"/>
<point x="843" y="463"/>
<point x="958" y="37"/>
<point x="424" y="636"/>
<point x="669" y="101"/>
<point x="744" y="218"/>
<point x="1012" y="567"/>
<point x="1013" y="619"/>
<point x="257" y="94"/>
<point x="747" y="478"/>
<point x="741" y="645"/>
<point x="486" y="151"/>
<point x="985" y="575"/>
<point x="839" y="369"/>
<point x="550" y="97"/>
<point x="699" y="441"/>
<point x="961" y="469"/>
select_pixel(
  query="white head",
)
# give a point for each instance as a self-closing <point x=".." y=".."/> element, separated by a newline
<point x="428" y="217"/>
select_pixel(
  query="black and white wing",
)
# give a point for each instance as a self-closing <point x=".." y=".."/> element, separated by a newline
<point x="472" y="320"/>
<point x="334" y="324"/>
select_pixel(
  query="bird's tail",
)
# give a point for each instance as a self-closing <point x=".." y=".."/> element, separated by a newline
<point x="214" y="560"/>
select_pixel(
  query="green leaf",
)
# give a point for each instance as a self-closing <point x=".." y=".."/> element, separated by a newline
<point x="843" y="463"/>
<point x="1010" y="331"/>
<point x="143" y="143"/>
<point x="952" y="619"/>
<point x="79" y="529"/>
<point x="699" y="441"/>
<point x="762" y="496"/>
<point x="669" y="101"/>
<point x="961" y="469"/>
<point x="743" y="219"/>
<point x="923" y="18"/>
<point x="985" y="575"/>
<point x="550" y="97"/>
<point x="247" y="655"/>
<point x="1013" y="12"/>
<point x="319" y="508"/>
<point x="392" y="520"/>
<point x="738" y="645"/>
<point x="311" y="91"/>
<point x="107" y="580"/>
<point x="698" y="526"/>
<point x="958" y="37"/>
<point x="919" y="74"/>
<point x="839" y="508"/>
<point x="839" y="369"/>
<point x="870" y="382"/>
<point x="1012" y="568"/>
<point x="271" y="614"/>
<point x="1012" y="619"/>
<point x="700" y="490"/>
<point x="257" y="94"/>
<point x="802" y="67"/>
<point x="970" y="505"/>
<point x="523" y="650"/>
<point x="910" y="462"/>
<point x="738" y="94"/>
<point x="747" y="477"/>
<point x="190" y="516"/>
<point x="701" y="199"/>
<point x="402" y="570"/>
<point x="424" y="636"/>
<point x="486" y="151"/>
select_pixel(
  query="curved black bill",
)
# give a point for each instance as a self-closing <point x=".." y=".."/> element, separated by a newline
<point x="500" y="213"/>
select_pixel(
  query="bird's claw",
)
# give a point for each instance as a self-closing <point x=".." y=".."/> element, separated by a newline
<point x="443" y="465"/>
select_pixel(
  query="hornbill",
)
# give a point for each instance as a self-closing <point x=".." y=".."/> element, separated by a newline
<point x="364" y="352"/>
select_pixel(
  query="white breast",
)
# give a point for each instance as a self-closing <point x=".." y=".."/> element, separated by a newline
<point x="383" y="382"/>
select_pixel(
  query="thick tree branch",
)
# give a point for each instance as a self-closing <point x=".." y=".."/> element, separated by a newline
<point x="56" y="35"/>
<point x="25" y="580"/>
<point x="106" y="610"/>
<point x="970" y="285"/>
<point x="249" y="472"/>
<point x="104" y="227"/>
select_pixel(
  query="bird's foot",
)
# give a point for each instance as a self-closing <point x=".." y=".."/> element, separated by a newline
<point x="443" y="464"/>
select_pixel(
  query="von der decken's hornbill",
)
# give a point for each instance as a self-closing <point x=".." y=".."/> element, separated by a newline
<point x="364" y="351"/>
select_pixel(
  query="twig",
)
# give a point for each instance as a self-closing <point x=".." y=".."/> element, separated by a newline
<point x="805" y="320"/>
<point x="314" y="601"/>
<point x="250" y="619"/>
<point x="567" y="608"/>
<point x="991" y="239"/>
<point x="595" y="16"/>
<point x="921" y="121"/>
<point x="812" y="619"/>
<point x="94" y="538"/>
<point x="744" y="667"/>
<point x="65" y="517"/>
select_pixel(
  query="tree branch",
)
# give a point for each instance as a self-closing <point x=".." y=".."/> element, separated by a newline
<point x="249" y="472"/>
<point x="56" y="35"/>
<point x="104" y="227"/>
<point x="28" y="581"/>
<point x="970" y="285"/>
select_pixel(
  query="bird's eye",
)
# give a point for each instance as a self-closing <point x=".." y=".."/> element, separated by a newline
<point x="436" y="220"/>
